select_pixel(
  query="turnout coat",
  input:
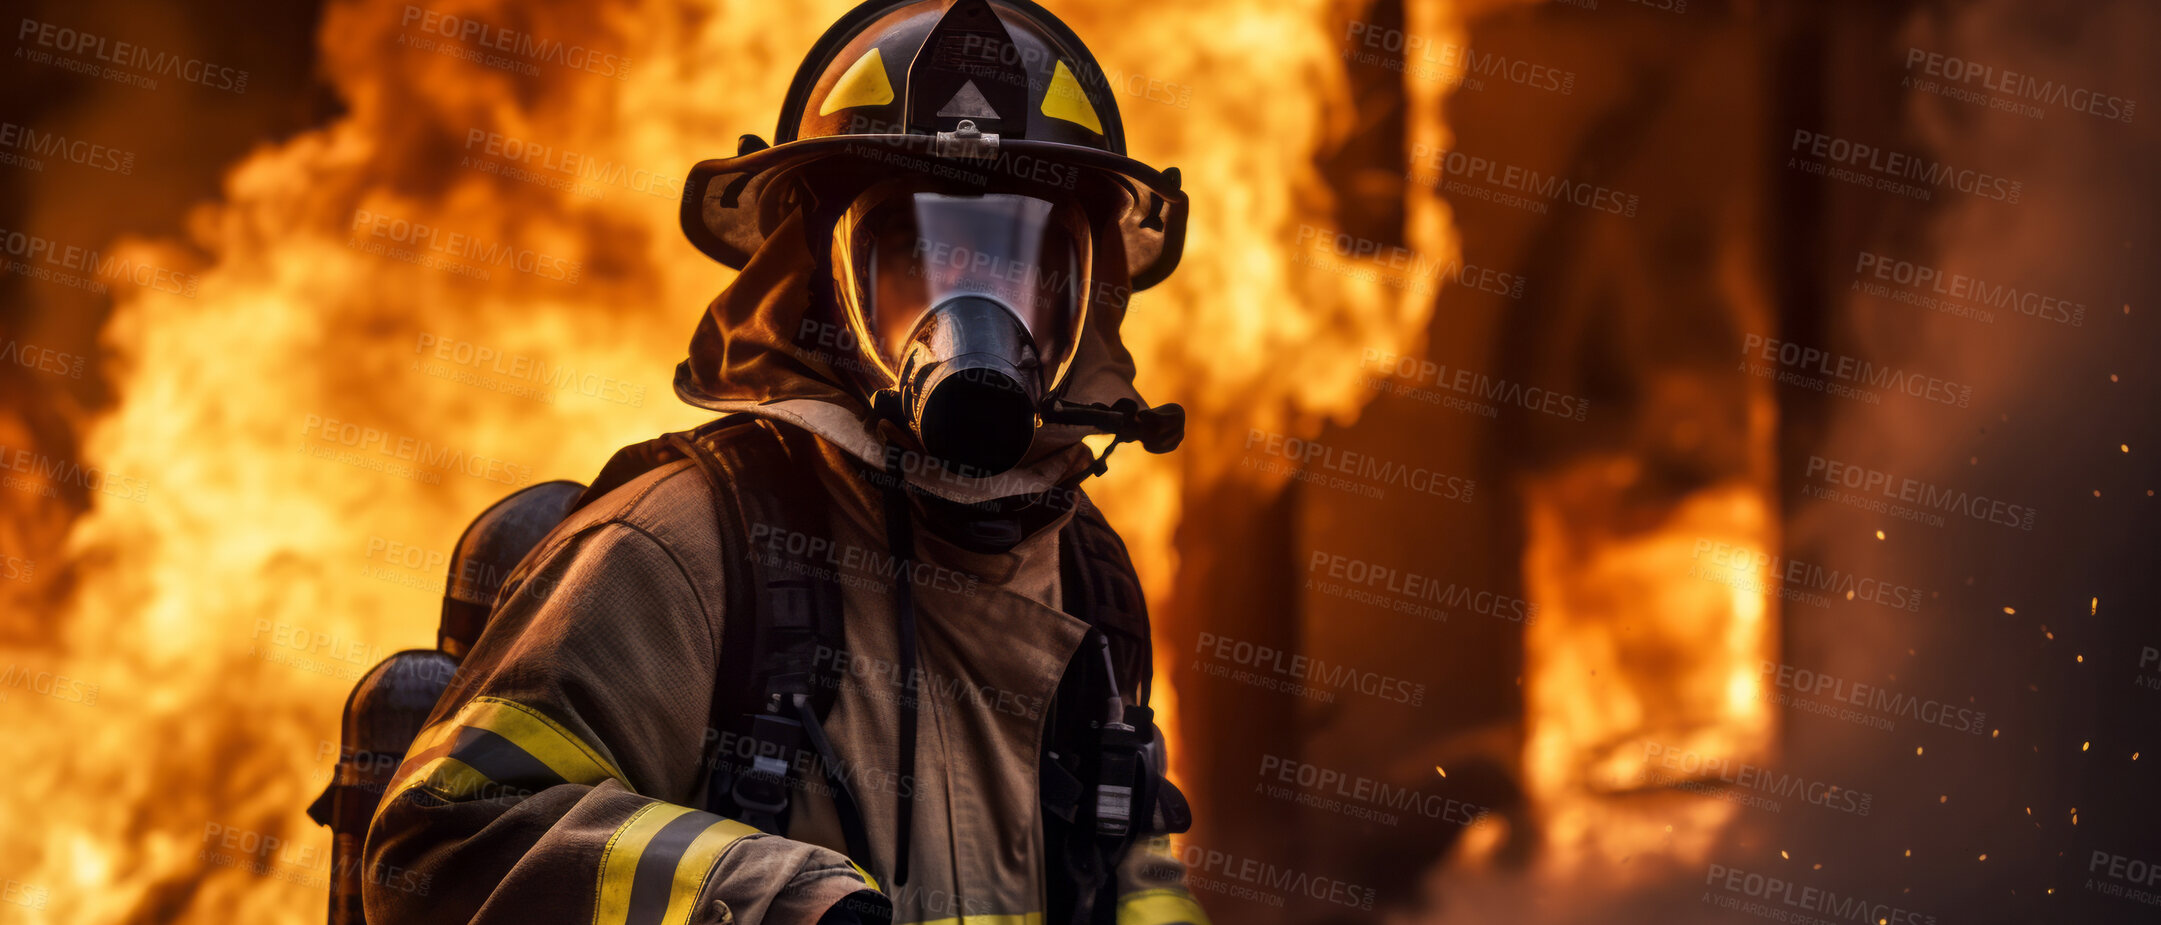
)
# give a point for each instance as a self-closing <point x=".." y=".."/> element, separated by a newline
<point x="561" y="779"/>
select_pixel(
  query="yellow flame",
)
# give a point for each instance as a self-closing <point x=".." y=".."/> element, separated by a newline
<point x="223" y="616"/>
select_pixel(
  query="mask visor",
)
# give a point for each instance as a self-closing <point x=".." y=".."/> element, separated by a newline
<point x="970" y="307"/>
<point x="899" y="255"/>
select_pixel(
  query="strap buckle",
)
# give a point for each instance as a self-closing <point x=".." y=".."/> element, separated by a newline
<point x="760" y="792"/>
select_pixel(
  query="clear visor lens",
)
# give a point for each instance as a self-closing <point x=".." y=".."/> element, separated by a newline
<point x="897" y="256"/>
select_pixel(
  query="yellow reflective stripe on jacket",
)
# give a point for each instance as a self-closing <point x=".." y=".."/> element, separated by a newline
<point x="1031" y="918"/>
<point x="428" y="740"/>
<point x="869" y="880"/>
<point x="654" y="864"/>
<point x="570" y="758"/>
<point x="446" y="776"/>
<point x="1160" y="907"/>
<point x="490" y="742"/>
<point x="443" y="776"/>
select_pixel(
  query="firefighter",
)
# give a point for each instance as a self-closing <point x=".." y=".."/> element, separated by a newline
<point x="860" y="650"/>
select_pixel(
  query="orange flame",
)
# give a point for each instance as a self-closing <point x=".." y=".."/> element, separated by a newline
<point x="1644" y="648"/>
<point x="379" y="346"/>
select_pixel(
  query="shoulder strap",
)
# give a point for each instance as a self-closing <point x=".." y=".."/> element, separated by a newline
<point x="1099" y="585"/>
<point x="764" y="492"/>
<point x="782" y="634"/>
<point x="1104" y="788"/>
<point x="763" y="487"/>
<point x="782" y="631"/>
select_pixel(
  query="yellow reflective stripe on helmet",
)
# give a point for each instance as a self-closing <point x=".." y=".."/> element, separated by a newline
<point x="1160" y="907"/>
<point x="1066" y="100"/>
<point x="863" y="84"/>
<point x="656" y="861"/>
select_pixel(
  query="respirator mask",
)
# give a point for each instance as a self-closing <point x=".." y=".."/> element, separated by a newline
<point x="969" y="307"/>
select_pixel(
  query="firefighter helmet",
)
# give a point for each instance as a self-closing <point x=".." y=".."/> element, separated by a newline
<point x="989" y="93"/>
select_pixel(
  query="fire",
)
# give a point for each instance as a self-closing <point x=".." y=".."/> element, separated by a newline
<point x="1244" y="335"/>
<point x="473" y="279"/>
<point x="343" y="389"/>
<point x="1656" y="619"/>
<point x="1646" y="647"/>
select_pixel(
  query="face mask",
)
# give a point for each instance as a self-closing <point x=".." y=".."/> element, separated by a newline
<point x="971" y="305"/>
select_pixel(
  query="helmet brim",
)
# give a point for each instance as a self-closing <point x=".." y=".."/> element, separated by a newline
<point x="731" y="204"/>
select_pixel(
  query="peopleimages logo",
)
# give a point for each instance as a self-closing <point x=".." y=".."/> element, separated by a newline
<point x="1367" y="474"/>
<point x="90" y="46"/>
<point x="1920" y="281"/>
<point x="1923" y="495"/>
<point x="563" y="169"/>
<point x="1410" y="586"/>
<point x="1875" y="698"/>
<point x="51" y="471"/>
<point x="512" y="41"/>
<point x="2019" y="87"/>
<point x="41" y="359"/>
<point x="1694" y="768"/>
<point x="33" y="140"/>
<point x="1762" y="889"/>
<point x="1731" y="562"/>
<point x="400" y="455"/>
<point x="1802" y="359"/>
<point x="533" y="377"/>
<point x="47" y="684"/>
<point x="1320" y="786"/>
<point x="1209" y="863"/>
<point x="941" y="693"/>
<point x="2124" y="876"/>
<point x="428" y="245"/>
<point x="1423" y="372"/>
<point x="1420" y="56"/>
<point x="1308" y="670"/>
<point x="26" y="254"/>
<point x="1430" y="165"/>
<point x="1884" y="168"/>
<point x="850" y="564"/>
<point x="1405" y="265"/>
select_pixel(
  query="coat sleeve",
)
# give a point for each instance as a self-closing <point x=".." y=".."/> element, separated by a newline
<point x="1152" y="887"/>
<point x="556" y="778"/>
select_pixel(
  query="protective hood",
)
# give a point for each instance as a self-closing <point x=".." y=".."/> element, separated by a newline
<point x="764" y="347"/>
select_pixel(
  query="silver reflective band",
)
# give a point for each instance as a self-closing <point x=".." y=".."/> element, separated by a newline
<point x="1113" y="802"/>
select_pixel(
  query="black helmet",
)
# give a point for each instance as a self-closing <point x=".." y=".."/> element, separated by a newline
<point x="997" y="91"/>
